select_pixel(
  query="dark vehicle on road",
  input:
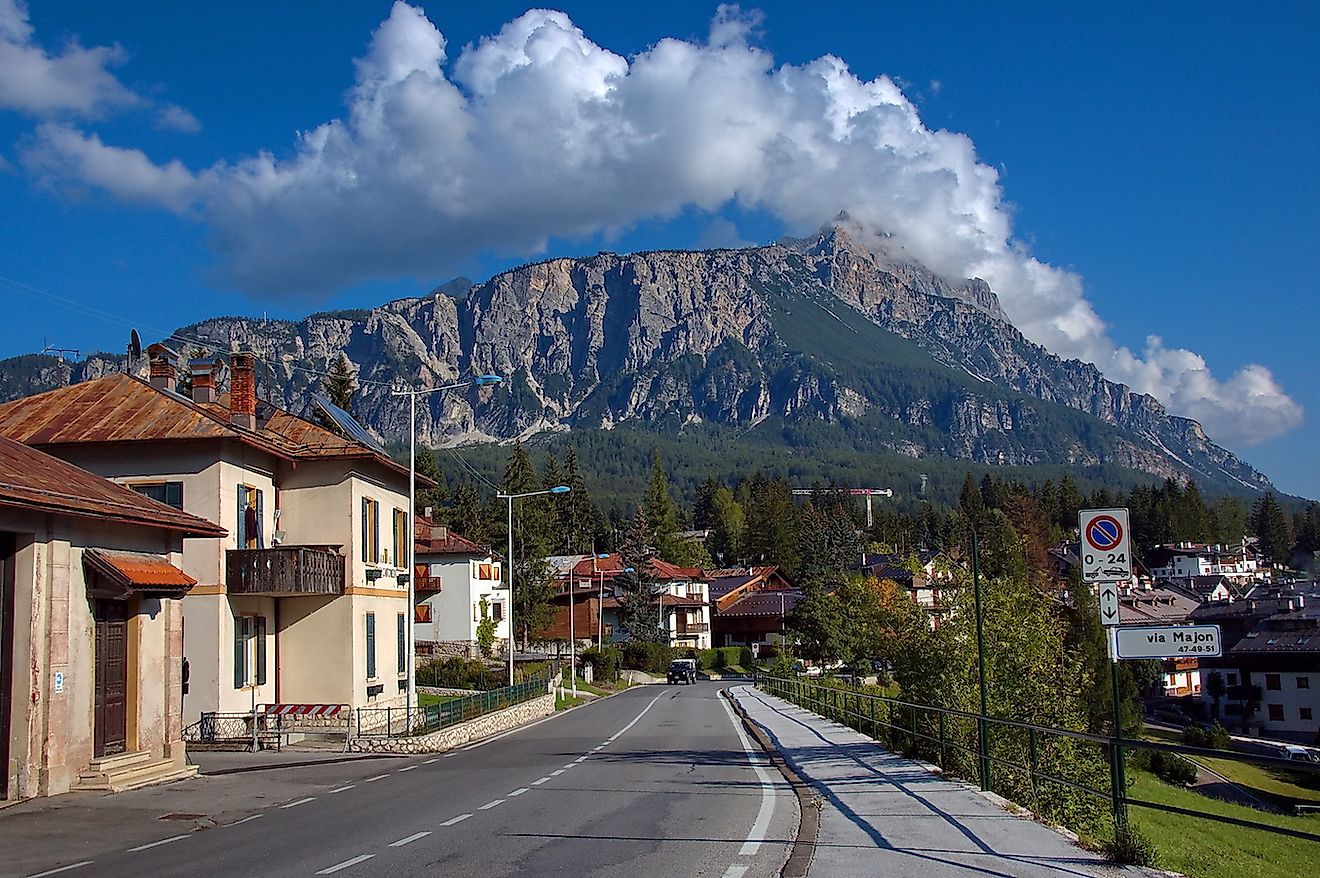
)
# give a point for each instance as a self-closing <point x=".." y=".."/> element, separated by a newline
<point x="683" y="671"/>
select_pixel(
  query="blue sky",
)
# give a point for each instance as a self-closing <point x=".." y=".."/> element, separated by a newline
<point x="1145" y="170"/>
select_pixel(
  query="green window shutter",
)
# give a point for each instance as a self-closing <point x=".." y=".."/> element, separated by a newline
<point x="403" y="644"/>
<point x="241" y="530"/>
<point x="261" y="523"/>
<point x="260" y="635"/>
<point x="364" y="530"/>
<point x="240" y="653"/>
<point x="174" y="494"/>
<point x="371" y="645"/>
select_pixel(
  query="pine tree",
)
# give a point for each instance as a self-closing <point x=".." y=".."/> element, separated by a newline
<point x="1270" y="525"/>
<point x="340" y="385"/>
<point x="772" y="523"/>
<point x="639" y="605"/>
<point x="728" y="528"/>
<point x="580" y="514"/>
<point x="466" y="516"/>
<point x="428" y="466"/>
<point x="661" y="513"/>
<point x="533" y="521"/>
<point x="969" y="499"/>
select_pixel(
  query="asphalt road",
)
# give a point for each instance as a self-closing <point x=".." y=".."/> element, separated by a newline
<point x="656" y="781"/>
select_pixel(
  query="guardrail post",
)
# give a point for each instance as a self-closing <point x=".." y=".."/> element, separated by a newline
<point x="1031" y="745"/>
<point x="875" y="727"/>
<point x="942" y="743"/>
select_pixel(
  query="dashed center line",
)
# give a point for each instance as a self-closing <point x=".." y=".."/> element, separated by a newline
<point x="299" y="802"/>
<point x="518" y="792"/>
<point x="362" y="858"/>
<point x="246" y="819"/>
<point x="376" y="778"/>
<point x="539" y="781"/>
<point x="410" y="839"/>
<point x="459" y="819"/>
<point x="156" y="844"/>
<point x="431" y="761"/>
<point x="735" y="871"/>
<point x="62" y="869"/>
<point x="581" y="759"/>
<point x="489" y="805"/>
<point x="407" y="768"/>
<point x="345" y="788"/>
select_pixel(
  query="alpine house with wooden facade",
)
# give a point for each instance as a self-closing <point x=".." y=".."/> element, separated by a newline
<point x="304" y="601"/>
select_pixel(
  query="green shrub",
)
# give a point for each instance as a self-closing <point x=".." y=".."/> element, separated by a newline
<point x="605" y="662"/>
<point x="646" y="655"/>
<point x="1130" y="846"/>
<point x="1215" y="737"/>
<point x="457" y="672"/>
<point x="1168" y="767"/>
<point x="769" y="652"/>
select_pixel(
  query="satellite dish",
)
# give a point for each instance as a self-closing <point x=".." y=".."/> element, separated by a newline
<point x="134" y="346"/>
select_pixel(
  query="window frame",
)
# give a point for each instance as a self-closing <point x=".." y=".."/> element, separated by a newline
<point x="402" y="638"/>
<point x="370" y="531"/>
<point x="1273" y="682"/>
<point x="250" y="654"/>
<point x="164" y="485"/>
<point x="1271" y="710"/>
<point x="1303" y="681"/>
<point x="400" y="537"/>
<point x="371" y="646"/>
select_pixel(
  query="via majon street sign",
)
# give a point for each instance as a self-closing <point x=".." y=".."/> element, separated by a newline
<point x="1168" y="641"/>
<point x="1103" y="545"/>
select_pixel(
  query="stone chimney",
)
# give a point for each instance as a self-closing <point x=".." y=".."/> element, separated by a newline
<point x="162" y="367"/>
<point x="203" y="379"/>
<point x="242" y="390"/>
<point x="440" y="533"/>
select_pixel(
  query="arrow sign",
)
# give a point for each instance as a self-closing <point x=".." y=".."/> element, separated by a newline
<point x="1105" y="550"/>
<point x="1108" y="603"/>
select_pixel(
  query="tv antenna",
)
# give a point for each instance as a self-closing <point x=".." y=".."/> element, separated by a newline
<point x="60" y="352"/>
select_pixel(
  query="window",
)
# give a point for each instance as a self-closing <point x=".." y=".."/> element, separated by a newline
<point x="497" y="612"/>
<point x="1276" y="713"/>
<point x="1273" y="683"/>
<point x="400" y="538"/>
<point x="249" y="518"/>
<point x="370" y="531"/>
<point x="371" y="646"/>
<point x="422" y="614"/>
<point x="169" y="493"/>
<point x="403" y="644"/>
<point x="249" y="651"/>
<point x="1303" y="682"/>
<point x="1305" y="712"/>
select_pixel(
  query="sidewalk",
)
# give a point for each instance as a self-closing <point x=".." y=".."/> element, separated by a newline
<point x="885" y="815"/>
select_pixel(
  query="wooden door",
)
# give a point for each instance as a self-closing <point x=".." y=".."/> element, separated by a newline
<point x="111" y="711"/>
<point x="7" y="586"/>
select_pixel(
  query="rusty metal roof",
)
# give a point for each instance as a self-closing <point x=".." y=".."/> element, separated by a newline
<point x="433" y="540"/>
<point x="137" y="571"/>
<point x="123" y="408"/>
<point x="31" y="479"/>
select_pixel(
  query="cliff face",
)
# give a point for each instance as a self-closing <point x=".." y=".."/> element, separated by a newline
<point x="822" y="339"/>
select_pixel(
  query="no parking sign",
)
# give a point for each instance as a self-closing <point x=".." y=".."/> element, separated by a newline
<point x="1105" y="550"/>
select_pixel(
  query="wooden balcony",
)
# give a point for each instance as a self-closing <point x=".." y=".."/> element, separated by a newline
<point x="285" y="571"/>
<point x="691" y="628"/>
<point x="427" y="584"/>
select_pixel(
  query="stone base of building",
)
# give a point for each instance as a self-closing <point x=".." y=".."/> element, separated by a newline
<point x="461" y="734"/>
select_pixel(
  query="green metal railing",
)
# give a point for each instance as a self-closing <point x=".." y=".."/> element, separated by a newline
<point x="1018" y="760"/>
<point x="394" y="722"/>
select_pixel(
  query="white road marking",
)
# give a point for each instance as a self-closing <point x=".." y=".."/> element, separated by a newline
<point x="62" y="869"/>
<point x="450" y="755"/>
<point x="376" y="778"/>
<point x="459" y="819"/>
<point x="361" y="858"/>
<point x="345" y="788"/>
<point x="156" y="844"/>
<point x="735" y="871"/>
<point x="431" y="761"/>
<point x="410" y="839"/>
<point x="407" y="768"/>
<point x="598" y="747"/>
<point x="581" y="759"/>
<point x="246" y="819"/>
<point x="762" y="825"/>
<point x="518" y="792"/>
<point x="557" y="772"/>
<point x="635" y="721"/>
<point x="539" y="781"/>
<point x="489" y="805"/>
<point x="299" y="802"/>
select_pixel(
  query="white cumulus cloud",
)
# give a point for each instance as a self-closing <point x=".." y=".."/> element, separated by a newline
<point x="538" y="131"/>
<point x="77" y="80"/>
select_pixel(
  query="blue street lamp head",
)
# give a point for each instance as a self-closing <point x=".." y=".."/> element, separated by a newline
<point x="603" y="555"/>
<point x="629" y="570"/>
<point x="483" y="380"/>
<point x="560" y="489"/>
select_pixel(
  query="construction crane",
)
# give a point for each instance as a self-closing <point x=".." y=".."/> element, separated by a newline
<point x="868" y="493"/>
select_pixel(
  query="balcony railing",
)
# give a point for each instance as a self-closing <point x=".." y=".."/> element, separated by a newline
<point x="284" y="571"/>
<point x="692" y="628"/>
<point x="427" y="583"/>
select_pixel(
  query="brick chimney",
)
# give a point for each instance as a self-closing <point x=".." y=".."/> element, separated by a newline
<point x="162" y="367"/>
<point x="203" y="379"/>
<point x="242" y="390"/>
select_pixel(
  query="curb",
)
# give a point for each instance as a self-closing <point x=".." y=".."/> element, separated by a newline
<point x="804" y="845"/>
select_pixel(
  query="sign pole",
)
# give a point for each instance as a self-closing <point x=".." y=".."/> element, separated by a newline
<point x="1118" y="769"/>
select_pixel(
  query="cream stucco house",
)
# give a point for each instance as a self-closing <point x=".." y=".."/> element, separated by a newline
<point x="305" y="600"/>
<point x="91" y="630"/>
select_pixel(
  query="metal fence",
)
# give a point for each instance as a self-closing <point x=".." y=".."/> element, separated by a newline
<point x="263" y="730"/>
<point x="398" y="722"/>
<point x="1022" y="761"/>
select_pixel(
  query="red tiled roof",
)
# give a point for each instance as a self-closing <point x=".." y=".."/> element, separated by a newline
<point x="31" y="479"/>
<point x="613" y="566"/>
<point x="138" y="572"/>
<point x="122" y="408"/>
<point x="433" y="540"/>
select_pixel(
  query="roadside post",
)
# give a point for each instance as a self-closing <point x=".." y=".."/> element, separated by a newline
<point x="1105" y="551"/>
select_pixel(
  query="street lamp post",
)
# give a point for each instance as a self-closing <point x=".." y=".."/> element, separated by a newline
<point x="508" y="560"/>
<point x="411" y="533"/>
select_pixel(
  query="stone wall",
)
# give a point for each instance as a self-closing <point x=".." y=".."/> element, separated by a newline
<point x="463" y="733"/>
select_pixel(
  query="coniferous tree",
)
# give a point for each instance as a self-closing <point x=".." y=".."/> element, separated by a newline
<point x="661" y="513"/>
<point x="466" y="517"/>
<point x="428" y="466"/>
<point x="1270" y="525"/>
<point x="580" y="515"/>
<point x="340" y="384"/>
<point x="533" y="522"/>
<point x="703" y="511"/>
<point x="639" y="605"/>
<point x="728" y="528"/>
<point x="771" y="523"/>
